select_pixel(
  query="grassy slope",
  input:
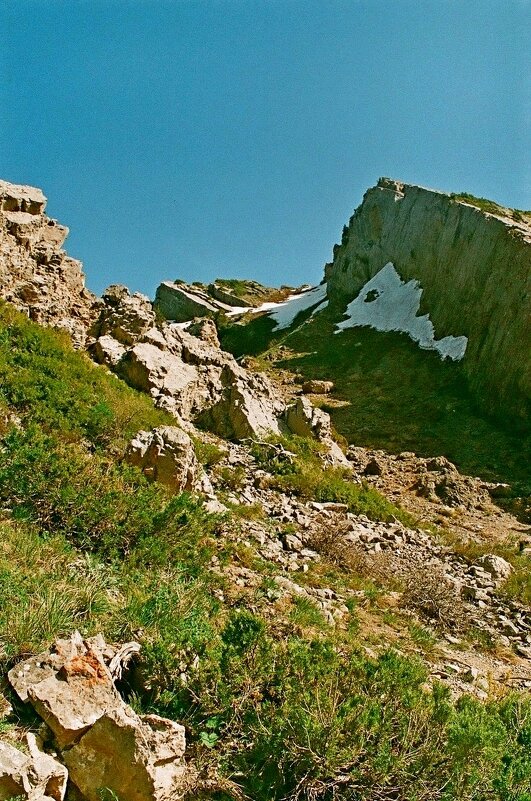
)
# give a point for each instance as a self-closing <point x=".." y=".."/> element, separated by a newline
<point x="288" y="707"/>
<point x="398" y="397"/>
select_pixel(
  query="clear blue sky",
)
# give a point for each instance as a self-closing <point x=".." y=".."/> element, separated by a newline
<point x="235" y="137"/>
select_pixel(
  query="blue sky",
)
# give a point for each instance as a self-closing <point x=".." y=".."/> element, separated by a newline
<point x="235" y="137"/>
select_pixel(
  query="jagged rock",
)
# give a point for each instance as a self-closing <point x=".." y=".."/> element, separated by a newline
<point x="36" y="275"/>
<point x="182" y="303"/>
<point x="305" y="420"/>
<point x="246" y="407"/>
<point x="205" y="329"/>
<point x="107" y="350"/>
<point x="157" y="372"/>
<point x="165" y="454"/>
<point x="316" y="387"/>
<point x="125" y="317"/>
<point x="70" y="687"/>
<point x="36" y="776"/>
<point x="500" y="569"/>
<point x="137" y="758"/>
<point x="225" y="296"/>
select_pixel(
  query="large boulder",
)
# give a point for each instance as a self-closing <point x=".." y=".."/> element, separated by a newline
<point x="136" y="758"/>
<point x="182" y="303"/>
<point x="305" y="420"/>
<point x="70" y="687"/>
<point x="165" y="454"/>
<point x="247" y="407"/>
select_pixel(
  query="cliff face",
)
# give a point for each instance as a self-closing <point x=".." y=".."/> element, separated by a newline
<point x="473" y="268"/>
<point x="36" y="275"/>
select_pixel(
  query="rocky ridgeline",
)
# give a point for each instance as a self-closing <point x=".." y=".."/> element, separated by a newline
<point x="36" y="275"/>
<point x="473" y="262"/>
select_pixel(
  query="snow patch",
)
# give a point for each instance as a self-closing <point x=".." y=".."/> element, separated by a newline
<point x="387" y="303"/>
<point x="284" y="313"/>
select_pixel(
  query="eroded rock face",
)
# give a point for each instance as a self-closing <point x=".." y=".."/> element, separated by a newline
<point x="474" y="270"/>
<point x="180" y="304"/>
<point x="166" y="455"/>
<point x="305" y="420"/>
<point x="36" y="275"/>
<point x="124" y="316"/>
<point x="186" y="374"/>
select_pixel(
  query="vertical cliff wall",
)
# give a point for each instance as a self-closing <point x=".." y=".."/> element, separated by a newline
<point x="474" y="269"/>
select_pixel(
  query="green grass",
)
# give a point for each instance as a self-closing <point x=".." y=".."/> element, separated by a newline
<point x="489" y="206"/>
<point x="303" y="474"/>
<point x="396" y="396"/>
<point x="289" y="715"/>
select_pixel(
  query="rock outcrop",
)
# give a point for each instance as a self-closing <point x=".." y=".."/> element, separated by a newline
<point x="36" y="275"/>
<point x="102" y="742"/>
<point x="305" y="420"/>
<point x="189" y="376"/>
<point x="474" y="270"/>
<point x="166" y="455"/>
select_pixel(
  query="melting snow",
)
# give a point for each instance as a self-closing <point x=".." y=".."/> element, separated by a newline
<point x="285" y="312"/>
<point x="387" y="303"/>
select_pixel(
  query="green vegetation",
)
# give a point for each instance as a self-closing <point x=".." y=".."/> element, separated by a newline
<point x="288" y="708"/>
<point x="489" y="206"/>
<point x="392" y="395"/>
<point x="297" y="469"/>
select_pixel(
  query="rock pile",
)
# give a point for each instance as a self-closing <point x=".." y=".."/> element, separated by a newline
<point x="92" y="739"/>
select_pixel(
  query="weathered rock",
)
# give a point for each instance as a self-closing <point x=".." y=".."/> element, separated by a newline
<point x="182" y="303"/>
<point x="225" y="296"/>
<point x="36" y="275"/>
<point x="165" y="454"/>
<point x="35" y="776"/>
<point x="124" y="316"/>
<point x="500" y="569"/>
<point x="246" y="408"/>
<point x="316" y="387"/>
<point x="158" y="372"/>
<point x="205" y="329"/>
<point x="70" y="687"/>
<point x="137" y="758"/>
<point x="107" y="350"/>
<point x="305" y="420"/>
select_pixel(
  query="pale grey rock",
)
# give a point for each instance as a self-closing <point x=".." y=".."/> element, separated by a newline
<point x="317" y="387"/>
<point x="34" y="776"/>
<point x="107" y="350"/>
<point x="497" y="567"/>
<point x="165" y="454"/>
<point x="36" y="275"/>
<point x="125" y="316"/>
<point x="137" y="758"/>
<point x="305" y="420"/>
<point x="181" y="303"/>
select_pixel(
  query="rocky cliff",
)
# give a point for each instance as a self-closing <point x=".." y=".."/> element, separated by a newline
<point x="473" y="267"/>
<point x="36" y="275"/>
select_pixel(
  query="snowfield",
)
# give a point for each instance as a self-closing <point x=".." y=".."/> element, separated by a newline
<point x="387" y="303"/>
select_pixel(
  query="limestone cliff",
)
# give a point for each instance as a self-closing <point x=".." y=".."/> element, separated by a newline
<point x="473" y="267"/>
<point x="36" y="275"/>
